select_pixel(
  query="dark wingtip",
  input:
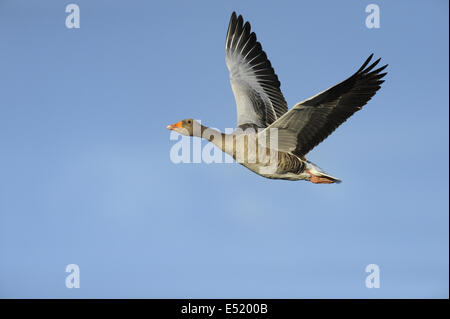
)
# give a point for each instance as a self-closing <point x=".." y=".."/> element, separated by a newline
<point x="365" y="63"/>
<point x="377" y="71"/>
<point x="240" y="18"/>
<point x="233" y="17"/>
<point x="374" y="64"/>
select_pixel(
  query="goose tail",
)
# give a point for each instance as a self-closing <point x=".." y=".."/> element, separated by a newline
<point x="323" y="178"/>
<point x="317" y="176"/>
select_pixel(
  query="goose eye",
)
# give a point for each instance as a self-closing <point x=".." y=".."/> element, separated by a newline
<point x="189" y="122"/>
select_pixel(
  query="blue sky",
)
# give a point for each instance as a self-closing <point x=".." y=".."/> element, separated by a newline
<point x="87" y="178"/>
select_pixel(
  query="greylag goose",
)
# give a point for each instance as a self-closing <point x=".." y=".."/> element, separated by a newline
<point x="271" y="140"/>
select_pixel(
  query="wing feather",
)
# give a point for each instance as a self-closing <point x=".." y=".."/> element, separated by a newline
<point x="255" y="85"/>
<point x="311" y="121"/>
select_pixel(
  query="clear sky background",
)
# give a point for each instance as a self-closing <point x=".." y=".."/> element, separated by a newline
<point x="86" y="176"/>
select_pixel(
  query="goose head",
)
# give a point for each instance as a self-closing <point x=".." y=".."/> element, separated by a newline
<point x="186" y="127"/>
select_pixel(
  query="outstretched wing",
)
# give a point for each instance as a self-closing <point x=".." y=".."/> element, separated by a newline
<point x="311" y="121"/>
<point x="255" y="85"/>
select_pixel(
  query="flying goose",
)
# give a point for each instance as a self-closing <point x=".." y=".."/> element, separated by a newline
<point x="265" y="126"/>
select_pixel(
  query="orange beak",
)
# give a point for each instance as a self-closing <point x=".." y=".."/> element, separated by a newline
<point x="178" y="124"/>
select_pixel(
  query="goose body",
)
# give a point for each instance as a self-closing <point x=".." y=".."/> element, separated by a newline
<point x="271" y="140"/>
<point x="281" y="165"/>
